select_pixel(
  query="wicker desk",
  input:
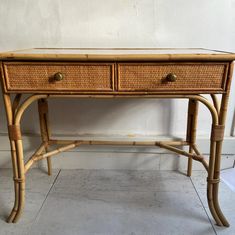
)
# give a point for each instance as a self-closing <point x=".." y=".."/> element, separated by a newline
<point x="143" y="73"/>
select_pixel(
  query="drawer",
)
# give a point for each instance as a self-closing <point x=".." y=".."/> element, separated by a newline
<point x="40" y="76"/>
<point x="172" y="77"/>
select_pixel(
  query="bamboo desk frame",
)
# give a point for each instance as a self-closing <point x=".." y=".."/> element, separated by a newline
<point x="116" y="73"/>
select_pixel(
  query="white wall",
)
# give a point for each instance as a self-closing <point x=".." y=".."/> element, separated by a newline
<point x="113" y="23"/>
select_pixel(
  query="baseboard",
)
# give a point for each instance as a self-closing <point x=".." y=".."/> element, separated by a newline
<point x="117" y="157"/>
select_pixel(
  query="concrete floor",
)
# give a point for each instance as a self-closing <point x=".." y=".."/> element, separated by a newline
<point x="114" y="202"/>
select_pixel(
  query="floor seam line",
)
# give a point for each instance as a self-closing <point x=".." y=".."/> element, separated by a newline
<point x="45" y="199"/>
<point x="203" y="205"/>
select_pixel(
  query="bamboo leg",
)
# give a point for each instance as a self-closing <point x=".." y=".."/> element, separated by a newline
<point x="191" y="130"/>
<point x="215" y="102"/>
<point x="44" y="127"/>
<point x="17" y="161"/>
<point x="16" y="184"/>
<point x="17" y="154"/>
<point x="9" y="113"/>
<point x="222" y="118"/>
<point x="214" y="168"/>
<point x="190" y="163"/>
<point x="15" y="103"/>
<point x="20" y="180"/>
<point x="210" y="181"/>
<point x="216" y="189"/>
<point x="210" y="195"/>
<point x="221" y="124"/>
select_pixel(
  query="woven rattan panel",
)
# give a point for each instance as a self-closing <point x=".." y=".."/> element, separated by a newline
<point x="77" y="76"/>
<point x="136" y="77"/>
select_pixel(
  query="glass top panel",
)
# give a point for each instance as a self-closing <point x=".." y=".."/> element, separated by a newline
<point x="117" y="51"/>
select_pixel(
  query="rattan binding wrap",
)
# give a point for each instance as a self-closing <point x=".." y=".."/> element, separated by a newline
<point x="189" y="76"/>
<point x="77" y="76"/>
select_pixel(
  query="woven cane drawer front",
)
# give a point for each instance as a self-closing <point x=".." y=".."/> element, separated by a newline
<point x="30" y="76"/>
<point x="188" y="77"/>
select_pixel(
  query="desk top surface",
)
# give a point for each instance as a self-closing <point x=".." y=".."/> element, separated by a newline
<point x="118" y="54"/>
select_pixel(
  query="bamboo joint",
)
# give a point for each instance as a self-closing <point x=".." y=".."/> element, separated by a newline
<point x="14" y="132"/>
<point x="217" y="133"/>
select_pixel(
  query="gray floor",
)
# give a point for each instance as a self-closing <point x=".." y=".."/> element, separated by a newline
<point x="114" y="202"/>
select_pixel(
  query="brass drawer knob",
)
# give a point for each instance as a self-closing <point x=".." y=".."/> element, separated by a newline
<point x="58" y="76"/>
<point x="171" y="77"/>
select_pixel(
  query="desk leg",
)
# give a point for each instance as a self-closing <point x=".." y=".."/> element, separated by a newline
<point x="20" y="180"/>
<point x="221" y="126"/>
<point x="211" y="180"/>
<point x="217" y="135"/>
<point x="191" y="130"/>
<point x="44" y="127"/>
<point x="17" y="161"/>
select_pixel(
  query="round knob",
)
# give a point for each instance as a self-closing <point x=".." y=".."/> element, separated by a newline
<point x="58" y="76"/>
<point x="171" y="77"/>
